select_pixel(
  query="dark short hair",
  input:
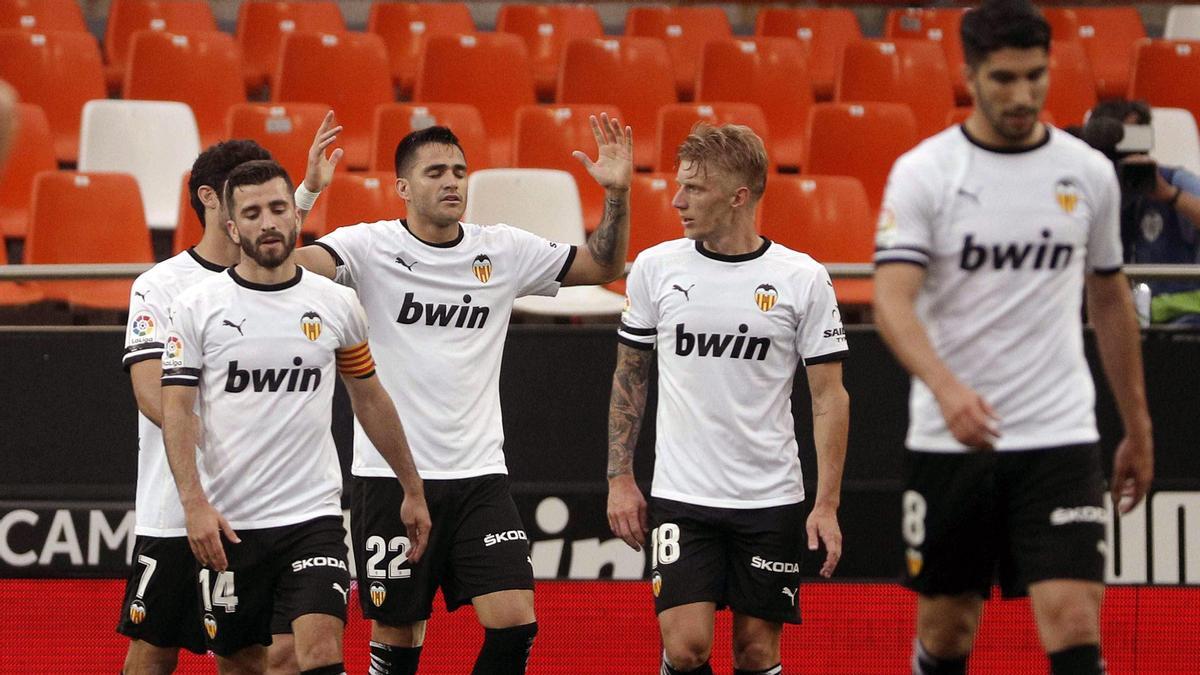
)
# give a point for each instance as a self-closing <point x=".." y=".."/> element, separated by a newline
<point x="406" y="149"/>
<point x="997" y="24"/>
<point x="1119" y="109"/>
<point x="213" y="165"/>
<point x="255" y="172"/>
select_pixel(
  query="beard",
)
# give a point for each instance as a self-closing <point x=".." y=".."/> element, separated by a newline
<point x="269" y="260"/>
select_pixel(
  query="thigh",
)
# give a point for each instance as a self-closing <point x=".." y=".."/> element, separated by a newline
<point x="237" y="603"/>
<point x="160" y="605"/>
<point x="313" y="577"/>
<point x="951" y="533"/>
<point x="392" y="590"/>
<point x="1055" y="517"/>
<point x="491" y="550"/>
<point x="688" y="560"/>
<point x="764" y="562"/>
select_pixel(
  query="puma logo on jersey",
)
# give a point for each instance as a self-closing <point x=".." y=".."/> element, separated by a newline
<point x="500" y="537"/>
<point x="441" y="314"/>
<point x="272" y="379"/>
<point x="773" y="566"/>
<point x="344" y="591"/>
<point x="408" y="266"/>
<point x="1045" y="254"/>
<point x="235" y="326"/>
<point x="791" y="594"/>
<point x="141" y="295"/>
<point x="319" y="561"/>
<point x="685" y="291"/>
<point x="721" y="344"/>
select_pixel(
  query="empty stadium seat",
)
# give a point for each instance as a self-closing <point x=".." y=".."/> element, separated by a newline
<point x="770" y="73"/>
<point x="825" y="32"/>
<point x="261" y="27"/>
<point x="1108" y="35"/>
<point x="87" y="218"/>
<point x="859" y="139"/>
<point x="42" y="15"/>
<point x="1183" y="23"/>
<point x="1072" y="91"/>
<point x="59" y="71"/>
<point x="203" y="70"/>
<point x="545" y="202"/>
<point x="311" y="65"/>
<point x="501" y="81"/>
<point x="155" y="141"/>
<point x="126" y="17"/>
<point x="676" y="120"/>
<point x="940" y="25"/>
<point x="632" y="73"/>
<point x="1159" y="68"/>
<point x="685" y="30"/>
<point x="16" y="294"/>
<point x="361" y="198"/>
<point x="912" y="72"/>
<point x="32" y="152"/>
<point x="545" y="138"/>
<point x="405" y="26"/>
<point x="652" y="219"/>
<point x="1176" y="141"/>
<point x="394" y="121"/>
<point x="546" y="29"/>
<point x="286" y="130"/>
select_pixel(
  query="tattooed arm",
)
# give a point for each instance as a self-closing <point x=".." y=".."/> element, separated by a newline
<point x="603" y="259"/>
<point x="626" y="505"/>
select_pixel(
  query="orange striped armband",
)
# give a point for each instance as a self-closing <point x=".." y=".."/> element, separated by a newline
<point x="356" y="361"/>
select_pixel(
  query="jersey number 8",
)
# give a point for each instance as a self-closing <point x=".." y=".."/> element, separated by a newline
<point x="664" y="544"/>
<point x="375" y="544"/>
<point x="914" y="508"/>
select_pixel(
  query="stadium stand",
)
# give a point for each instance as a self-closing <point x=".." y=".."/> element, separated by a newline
<point x="860" y="140"/>
<point x="261" y="27"/>
<point x="32" y="152"/>
<point x="825" y="32"/>
<point x="405" y="26"/>
<point x="360" y="198"/>
<point x="546" y="29"/>
<point x="286" y="130"/>
<point x="676" y="120"/>
<point x="912" y="72"/>
<point x="685" y="31"/>
<point x="42" y="15"/>
<point x="127" y="17"/>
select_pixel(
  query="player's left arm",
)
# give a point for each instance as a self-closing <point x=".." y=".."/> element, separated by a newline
<point x="603" y="258"/>
<point x="831" y="422"/>
<point x="1110" y="307"/>
<point x="319" y="172"/>
<point x="377" y="414"/>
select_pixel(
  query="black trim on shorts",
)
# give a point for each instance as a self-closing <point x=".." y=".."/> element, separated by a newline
<point x="562" y="274"/>
<point x="337" y="259"/>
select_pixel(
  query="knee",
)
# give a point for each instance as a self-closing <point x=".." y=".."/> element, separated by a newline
<point x="316" y="653"/>
<point x="687" y="654"/>
<point x="754" y="654"/>
<point x="1071" y="622"/>
<point x="948" y="635"/>
<point x="282" y="660"/>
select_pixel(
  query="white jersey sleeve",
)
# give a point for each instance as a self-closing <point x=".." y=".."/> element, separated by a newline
<point x="147" y="322"/>
<point x="349" y="247"/>
<point x="1104" y="252"/>
<point x="183" y="350"/>
<point x="821" y="337"/>
<point x="904" y="232"/>
<point x="541" y="263"/>
<point x="639" y="320"/>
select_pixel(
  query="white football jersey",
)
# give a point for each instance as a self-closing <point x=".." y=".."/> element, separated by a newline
<point x="439" y="316"/>
<point x="157" y="510"/>
<point x="1006" y="238"/>
<point x="730" y="332"/>
<point x="265" y="358"/>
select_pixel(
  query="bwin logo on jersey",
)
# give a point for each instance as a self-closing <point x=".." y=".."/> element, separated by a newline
<point x="441" y="314"/>
<point x="310" y="323"/>
<point x="765" y="296"/>
<point x="482" y="268"/>
<point x="272" y="379"/>
<point x="1016" y="255"/>
<point x="720" y="344"/>
<point x="500" y="537"/>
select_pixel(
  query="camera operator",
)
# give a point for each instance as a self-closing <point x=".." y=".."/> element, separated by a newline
<point x="1160" y="206"/>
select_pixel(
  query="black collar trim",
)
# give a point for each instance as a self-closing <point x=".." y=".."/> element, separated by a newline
<point x="741" y="257"/>
<point x="448" y="244"/>
<point x="1006" y="150"/>
<point x="244" y="283"/>
<point x="206" y="264"/>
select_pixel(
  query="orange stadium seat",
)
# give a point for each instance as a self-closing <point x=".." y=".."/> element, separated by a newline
<point x="501" y="81"/>
<point x="652" y="219"/>
<point x="16" y="294"/>
<point x="770" y="73"/>
<point x="940" y="25"/>
<point x="405" y="26"/>
<point x="631" y="73"/>
<point x="32" y="152"/>
<point x="913" y="72"/>
<point x="286" y="130"/>
<point x="1159" y="68"/>
<point x="394" y="121"/>
<point x="361" y="198"/>
<point x="860" y="140"/>
<point x="59" y="71"/>
<point x="202" y="69"/>
<point x="676" y="120"/>
<point x="824" y="32"/>
<point x="1072" y="90"/>
<point x="311" y="64"/>
<point x="685" y="30"/>
<point x="188" y="229"/>
<point x="42" y="15"/>
<point x="261" y="27"/>
<point x="827" y="217"/>
<point x="87" y="218"/>
<point x="126" y="17"/>
<point x="546" y="29"/>
<point x="545" y="138"/>
<point x="1108" y="35"/>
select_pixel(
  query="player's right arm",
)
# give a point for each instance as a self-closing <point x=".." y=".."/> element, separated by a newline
<point x="146" y="377"/>
<point x="316" y="259"/>
<point x="627" y="405"/>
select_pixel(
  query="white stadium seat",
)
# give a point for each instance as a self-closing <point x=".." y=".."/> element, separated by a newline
<point x="1176" y="141"/>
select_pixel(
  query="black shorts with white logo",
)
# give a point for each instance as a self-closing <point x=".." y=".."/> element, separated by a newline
<point x="477" y="546"/>
<point x="160" y="595"/>
<point x="275" y="575"/>
<point x="746" y="559"/>
<point x="970" y="520"/>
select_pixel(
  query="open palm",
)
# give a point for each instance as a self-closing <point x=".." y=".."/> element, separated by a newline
<point x="613" y="168"/>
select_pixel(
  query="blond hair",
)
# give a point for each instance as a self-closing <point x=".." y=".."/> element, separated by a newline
<point x="732" y="148"/>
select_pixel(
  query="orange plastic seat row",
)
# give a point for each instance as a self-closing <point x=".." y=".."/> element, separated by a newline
<point x="405" y="27"/>
<point x="940" y="26"/>
<point x="675" y="122"/>
<point x="127" y="17"/>
<point x="913" y="72"/>
<point x="42" y="15"/>
<point x="824" y="32"/>
<point x="685" y="30"/>
<point x="861" y="140"/>
<point x="1159" y="68"/>
<point x="1108" y="36"/>
<point x="261" y="27"/>
<point x="31" y="153"/>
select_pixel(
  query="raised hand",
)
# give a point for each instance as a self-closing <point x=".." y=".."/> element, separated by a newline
<point x="613" y="168"/>
<point x="319" y="172"/>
